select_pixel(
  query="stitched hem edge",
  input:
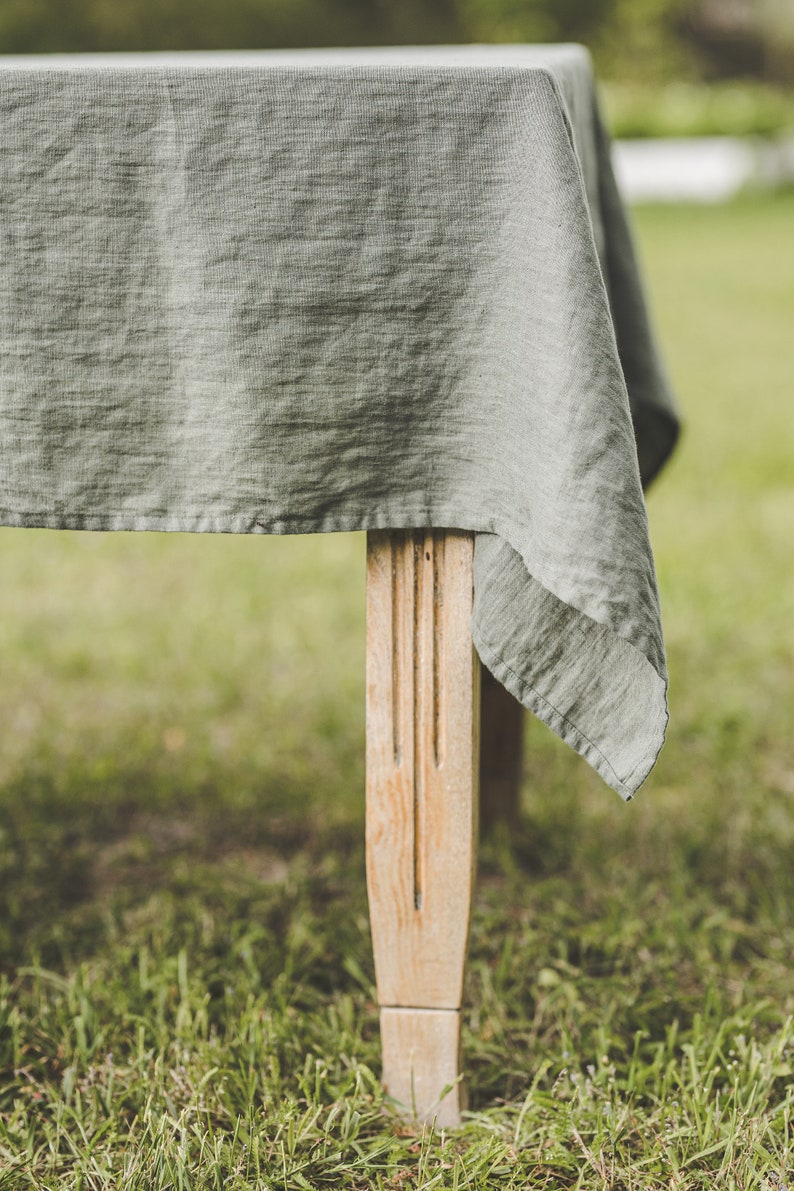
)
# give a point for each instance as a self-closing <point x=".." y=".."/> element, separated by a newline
<point x="526" y="694"/>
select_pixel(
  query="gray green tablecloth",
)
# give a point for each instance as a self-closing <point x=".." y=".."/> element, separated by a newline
<point x="298" y="292"/>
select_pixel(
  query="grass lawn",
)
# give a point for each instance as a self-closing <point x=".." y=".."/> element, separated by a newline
<point x="187" y="998"/>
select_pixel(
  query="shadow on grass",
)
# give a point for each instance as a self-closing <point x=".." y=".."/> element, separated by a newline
<point x="80" y="851"/>
<point x="594" y="924"/>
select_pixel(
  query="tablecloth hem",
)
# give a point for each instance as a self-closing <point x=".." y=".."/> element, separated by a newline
<point x="127" y="522"/>
<point x="520" y="689"/>
<point x="625" y="783"/>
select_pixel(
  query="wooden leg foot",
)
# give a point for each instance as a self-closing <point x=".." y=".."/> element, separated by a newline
<point x="421" y="1063"/>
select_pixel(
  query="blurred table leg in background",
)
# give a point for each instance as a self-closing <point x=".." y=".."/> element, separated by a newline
<point x="501" y="754"/>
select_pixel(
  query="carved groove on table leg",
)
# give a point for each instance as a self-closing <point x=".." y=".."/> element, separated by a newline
<point x="422" y="770"/>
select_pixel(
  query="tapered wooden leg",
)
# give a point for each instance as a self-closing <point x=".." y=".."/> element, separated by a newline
<point x="501" y="754"/>
<point x="422" y="771"/>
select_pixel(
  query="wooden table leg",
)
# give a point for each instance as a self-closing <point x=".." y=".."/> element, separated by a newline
<point x="422" y="770"/>
<point x="501" y="754"/>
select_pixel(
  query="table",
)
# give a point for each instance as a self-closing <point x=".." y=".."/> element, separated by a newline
<point x="385" y="290"/>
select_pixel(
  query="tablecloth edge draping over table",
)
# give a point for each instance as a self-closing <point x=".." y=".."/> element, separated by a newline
<point x="621" y="690"/>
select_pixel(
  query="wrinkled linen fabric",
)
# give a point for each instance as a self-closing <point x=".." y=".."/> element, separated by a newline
<point x="321" y="291"/>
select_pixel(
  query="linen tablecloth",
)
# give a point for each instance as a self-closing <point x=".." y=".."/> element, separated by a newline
<point x="295" y="292"/>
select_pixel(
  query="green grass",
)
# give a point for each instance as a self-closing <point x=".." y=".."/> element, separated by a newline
<point x="188" y="995"/>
